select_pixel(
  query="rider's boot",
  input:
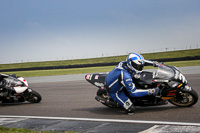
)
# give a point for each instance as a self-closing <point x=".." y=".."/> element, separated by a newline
<point x="131" y="110"/>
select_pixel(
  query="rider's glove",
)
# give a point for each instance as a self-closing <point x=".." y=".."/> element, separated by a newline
<point x="136" y="76"/>
<point x="155" y="63"/>
<point x="153" y="91"/>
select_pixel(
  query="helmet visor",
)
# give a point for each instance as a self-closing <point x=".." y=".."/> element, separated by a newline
<point x="137" y="67"/>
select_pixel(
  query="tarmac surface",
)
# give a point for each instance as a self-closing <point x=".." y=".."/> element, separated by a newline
<point x="68" y="104"/>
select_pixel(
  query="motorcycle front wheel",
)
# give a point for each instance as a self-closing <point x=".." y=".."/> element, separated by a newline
<point x="185" y="99"/>
<point x="33" y="97"/>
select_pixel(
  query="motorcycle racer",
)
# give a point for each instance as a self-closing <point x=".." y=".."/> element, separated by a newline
<point x="15" y="89"/>
<point x="5" y="83"/>
<point x="2" y="82"/>
<point x="121" y="77"/>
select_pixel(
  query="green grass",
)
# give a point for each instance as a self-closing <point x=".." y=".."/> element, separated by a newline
<point x="173" y="54"/>
<point x="37" y="73"/>
<point x="23" y="130"/>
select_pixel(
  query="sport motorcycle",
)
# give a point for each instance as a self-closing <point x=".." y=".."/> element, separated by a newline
<point x="17" y="90"/>
<point x="173" y="86"/>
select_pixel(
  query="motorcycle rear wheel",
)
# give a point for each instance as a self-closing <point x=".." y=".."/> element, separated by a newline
<point x="185" y="99"/>
<point x="102" y="95"/>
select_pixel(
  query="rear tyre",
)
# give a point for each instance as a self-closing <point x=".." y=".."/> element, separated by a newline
<point x="185" y="99"/>
<point x="103" y="97"/>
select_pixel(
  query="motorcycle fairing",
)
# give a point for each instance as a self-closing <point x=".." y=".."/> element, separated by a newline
<point x="97" y="79"/>
<point x="20" y="89"/>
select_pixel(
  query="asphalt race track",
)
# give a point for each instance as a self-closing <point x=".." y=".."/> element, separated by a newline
<point x="70" y="106"/>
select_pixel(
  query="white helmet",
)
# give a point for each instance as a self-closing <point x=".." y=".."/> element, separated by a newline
<point x="135" y="62"/>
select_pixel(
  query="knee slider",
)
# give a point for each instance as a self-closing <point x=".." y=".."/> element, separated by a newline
<point x="131" y="109"/>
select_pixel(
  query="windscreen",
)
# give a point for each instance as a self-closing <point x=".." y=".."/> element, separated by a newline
<point x="164" y="72"/>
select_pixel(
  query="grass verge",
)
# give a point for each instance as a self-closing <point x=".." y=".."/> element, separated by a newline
<point x="23" y="130"/>
<point x="38" y="73"/>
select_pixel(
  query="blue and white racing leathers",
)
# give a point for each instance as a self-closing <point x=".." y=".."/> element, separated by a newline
<point x="117" y="80"/>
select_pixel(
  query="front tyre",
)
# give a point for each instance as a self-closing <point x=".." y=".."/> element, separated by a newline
<point x="185" y="99"/>
<point x="33" y="97"/>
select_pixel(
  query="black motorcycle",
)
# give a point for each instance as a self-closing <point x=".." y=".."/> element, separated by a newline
<point x="172" y="83"/>
<point x="16" y="89"/>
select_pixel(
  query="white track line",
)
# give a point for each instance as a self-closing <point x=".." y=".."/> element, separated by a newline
<point x="4" y="121"/>
<point x="105" y="120"/>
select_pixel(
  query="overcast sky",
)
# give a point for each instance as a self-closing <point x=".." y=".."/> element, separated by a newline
<point x="41" y="30"/>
